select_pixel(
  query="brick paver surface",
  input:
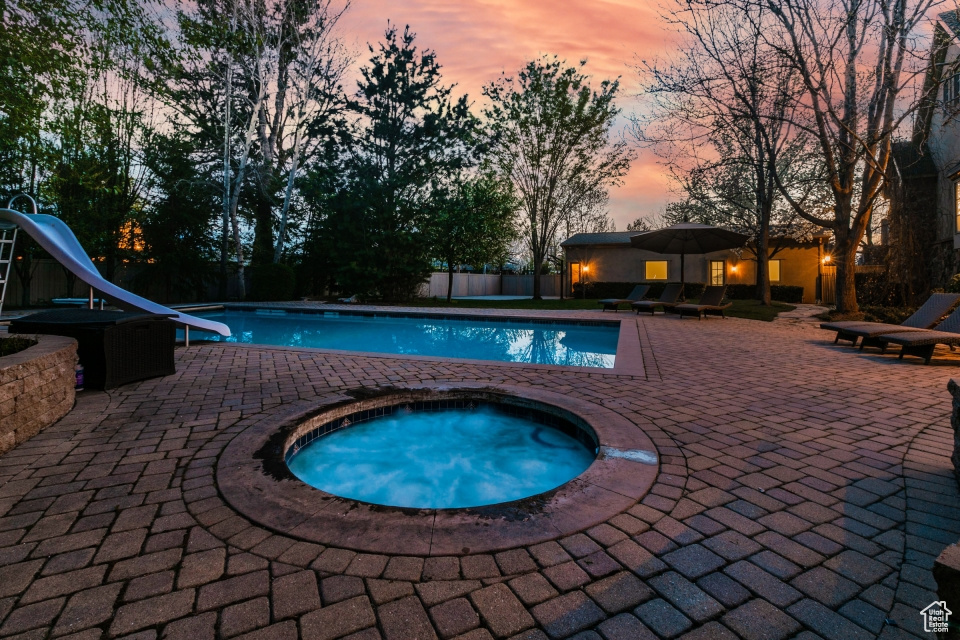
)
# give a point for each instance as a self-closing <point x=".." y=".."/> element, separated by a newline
<point x="804" y="492"/>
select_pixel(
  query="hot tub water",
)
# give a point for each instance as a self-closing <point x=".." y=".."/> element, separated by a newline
<point x="443" y="459"/>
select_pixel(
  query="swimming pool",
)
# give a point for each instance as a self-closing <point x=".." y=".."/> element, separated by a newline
<point x="587" y="344"/>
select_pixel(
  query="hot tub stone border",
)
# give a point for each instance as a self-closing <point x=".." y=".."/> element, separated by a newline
<point x="253" y="479"/>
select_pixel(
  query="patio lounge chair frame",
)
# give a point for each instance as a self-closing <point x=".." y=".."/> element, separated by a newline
<point x="669" y="299"/>
<point x="639" y="293"/>
<point x="922" y="342"/>
<point x="929" y="313"/>
<point x="710" y="304"/>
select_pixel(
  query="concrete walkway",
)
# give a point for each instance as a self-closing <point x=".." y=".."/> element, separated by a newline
<point x="804" y="491"/>
<point x="806" y="313"/>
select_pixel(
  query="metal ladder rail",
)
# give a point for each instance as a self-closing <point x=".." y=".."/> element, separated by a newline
<point x="5" y="263"/>
<point x="8" y="240"/>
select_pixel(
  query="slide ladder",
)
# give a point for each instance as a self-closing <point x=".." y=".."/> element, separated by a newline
<point x="58" y="240"/>
<point x="8" y="239"/>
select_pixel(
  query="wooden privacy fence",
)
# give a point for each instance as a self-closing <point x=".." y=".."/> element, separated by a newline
<point x="523" y="285"/>
<point x="828" y="285"/>
<point x="828" y="280"/>
<point x="481" y="284"/>
<point x="49" y="282"/>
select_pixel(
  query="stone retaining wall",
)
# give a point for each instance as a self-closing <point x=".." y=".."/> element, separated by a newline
<point x="36" y="388"/>
<point x="954" y="389"/>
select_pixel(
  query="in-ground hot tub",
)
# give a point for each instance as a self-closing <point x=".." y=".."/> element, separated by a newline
<point x="443" y="454"/>
<point x="253" y="475"/>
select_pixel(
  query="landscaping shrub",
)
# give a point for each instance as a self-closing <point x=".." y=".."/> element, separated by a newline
<point x="779" y="292"/>
<point x="889" y="315"/>
<point x="10" y="346"/>
<point x="876" y="290"/>
<point x="602" y="290"/>
<point x="272" y="282"/>
<point x="954" y="285"/>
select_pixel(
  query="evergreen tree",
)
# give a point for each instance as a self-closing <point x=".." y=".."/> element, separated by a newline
<point x="411" y="138"/>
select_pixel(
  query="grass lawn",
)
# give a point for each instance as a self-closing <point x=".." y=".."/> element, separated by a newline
<point x="750" y="309"/>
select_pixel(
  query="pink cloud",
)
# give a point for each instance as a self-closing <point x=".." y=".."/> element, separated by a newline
<point x="477" y="40"/>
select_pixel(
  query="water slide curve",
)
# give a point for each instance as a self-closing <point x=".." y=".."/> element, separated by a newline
<point x="58" y="240"/>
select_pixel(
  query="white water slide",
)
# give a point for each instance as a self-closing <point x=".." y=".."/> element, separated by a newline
<point x="58" y="240"/>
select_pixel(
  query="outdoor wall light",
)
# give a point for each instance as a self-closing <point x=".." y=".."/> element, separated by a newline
<point x="733" y="268"/>
<point x="826" y="259"/>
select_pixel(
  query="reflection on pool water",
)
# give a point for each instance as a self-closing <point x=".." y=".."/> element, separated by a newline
<point x="443" y="459"/>
<point x="557" y="343"/>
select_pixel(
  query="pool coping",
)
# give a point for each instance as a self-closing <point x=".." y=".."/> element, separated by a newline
<point x="248" y="479"/>
<point x="629" y="358"/>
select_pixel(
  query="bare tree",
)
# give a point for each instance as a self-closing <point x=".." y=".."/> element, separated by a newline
<point x="722" y="122"/>
<point x="302" y="66"/>
<point x="253" y="57"/>
<point x="550" y="135"/>
<point x="861" y="73"/>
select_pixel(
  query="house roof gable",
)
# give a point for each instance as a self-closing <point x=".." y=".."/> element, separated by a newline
<point x="609" y="237"/>
<point x="951" y="20"/>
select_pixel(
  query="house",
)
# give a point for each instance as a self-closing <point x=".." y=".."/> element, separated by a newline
<point x="924" y="184"/>
<point x="609" y="257"/>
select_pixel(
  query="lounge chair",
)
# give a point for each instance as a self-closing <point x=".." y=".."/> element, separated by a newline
<point x="936" y="306"/>
<point x="668" y="299"/>
<point x="922" y="342"/>
<point x="710" y="304"/>
<point x="639" y="293"/>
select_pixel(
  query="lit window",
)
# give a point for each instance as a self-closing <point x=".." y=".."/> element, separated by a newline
<point x="956" y="203"/>
<point x="774" y="270"/>
<point x="656" y="269"/>
<point x="717" y="270"/>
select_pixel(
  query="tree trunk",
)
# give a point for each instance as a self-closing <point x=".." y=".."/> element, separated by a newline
<point x="24" y="269"/>
<point x="263" y="231"/>
<point x="287" y="196"/>
<point x="71" y="279"/>
<point x="537" y="265"/>
<point x="449" y="280"/>
<point x="224" y="249"/>
<point x="763" y="278"/>
<point x="763" y="268"/>
<point x="846" y="253"/>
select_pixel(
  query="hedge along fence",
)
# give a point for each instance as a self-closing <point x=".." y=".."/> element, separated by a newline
<point x="875" y="289"/>
<point x="779" y="292"/>
<point x="623" y="289"/>
<point x="782" y="293"/>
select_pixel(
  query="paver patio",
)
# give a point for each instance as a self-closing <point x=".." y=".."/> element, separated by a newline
<point x="804" y="491"/>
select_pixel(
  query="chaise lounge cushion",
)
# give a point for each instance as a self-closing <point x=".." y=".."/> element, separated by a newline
<point x="668" y="299"/>
<point x="709" y="304"/>
<point x="922" y="342"/>
<point x="936" y="306"/>
<point x="639" y="293"/>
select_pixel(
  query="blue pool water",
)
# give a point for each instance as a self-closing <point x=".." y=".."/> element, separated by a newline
<point x="441" y="460"/>
<point x="571" y="344"/>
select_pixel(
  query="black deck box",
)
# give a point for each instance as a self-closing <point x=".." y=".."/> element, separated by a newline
<point x="114" y="347"/>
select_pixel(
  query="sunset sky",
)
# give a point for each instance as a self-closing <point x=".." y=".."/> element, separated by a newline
<point x="477" y="40"/>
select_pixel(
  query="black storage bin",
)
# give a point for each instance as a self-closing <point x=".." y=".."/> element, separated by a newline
<point x="114" y="347"/>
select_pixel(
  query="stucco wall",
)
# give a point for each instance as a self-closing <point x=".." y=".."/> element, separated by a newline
<point x="799" y="266"/>
<point x="36" y="387"/>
